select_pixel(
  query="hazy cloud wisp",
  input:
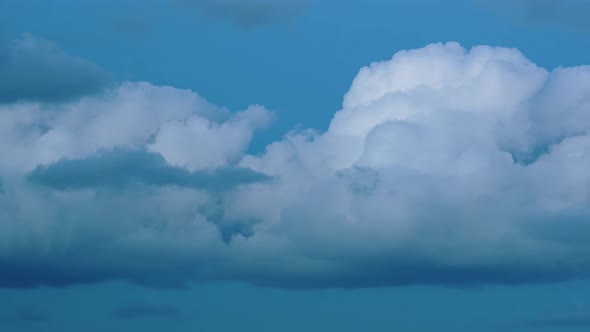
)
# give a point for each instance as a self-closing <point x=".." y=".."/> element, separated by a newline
<point x="33" y="69"/>
<point x="248" y="13"/>
<point x="142" y="310"/>
<point x="570" y="14"/>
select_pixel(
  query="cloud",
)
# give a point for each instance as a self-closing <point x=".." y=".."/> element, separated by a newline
<point x="248" y="13"/>
<point x="571" y="14"/>
<point x="133" y="159"/>
<point x="444" y="166"/>
<point x="33" y="69"/>
<point x="144" y="310"/>
<point x="33" y="317"/>
<point x="133" y="26"/>
<point x="26" y="314"/>
<point x="120" y="168"/>
<point x="576" y="319"/>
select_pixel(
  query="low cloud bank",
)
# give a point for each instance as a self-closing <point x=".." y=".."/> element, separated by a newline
<point x="444" y="166"/>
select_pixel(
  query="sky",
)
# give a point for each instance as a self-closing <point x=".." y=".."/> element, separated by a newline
<point x="264" y="165"/>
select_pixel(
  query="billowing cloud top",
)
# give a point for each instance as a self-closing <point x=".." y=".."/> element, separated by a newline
<point x="445" y="165"/>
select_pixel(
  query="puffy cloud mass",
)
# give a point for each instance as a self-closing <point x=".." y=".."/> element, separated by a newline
<point x="444" y="166"/>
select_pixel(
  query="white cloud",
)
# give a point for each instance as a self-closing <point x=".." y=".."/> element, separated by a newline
<point x="444" y="165"/>
<point x="198" y="143"/>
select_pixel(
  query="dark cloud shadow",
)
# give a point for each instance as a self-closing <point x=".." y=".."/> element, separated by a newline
<point x="122" y="167"/>
<point x="34" y="69"/>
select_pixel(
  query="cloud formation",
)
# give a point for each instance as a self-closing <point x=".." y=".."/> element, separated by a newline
<point x="249" y="13"/>
<point x="444" y="166"/>
<point x="33" y="69"/>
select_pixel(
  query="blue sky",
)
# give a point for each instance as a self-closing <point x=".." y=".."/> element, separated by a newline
<point x="144" y="206"/>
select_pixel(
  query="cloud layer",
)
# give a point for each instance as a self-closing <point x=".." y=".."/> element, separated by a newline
<point x="444" y="166"/>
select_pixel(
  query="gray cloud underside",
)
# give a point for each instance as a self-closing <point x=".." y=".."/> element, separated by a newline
<point x="33" y="69"/>
<point x="122" y="167"/>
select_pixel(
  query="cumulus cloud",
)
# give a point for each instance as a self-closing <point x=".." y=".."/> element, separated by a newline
<point x="248" y="12"/>
<point x="572" y="14"/>
<point x="137" y="150"/>
<point x="444" y="166"/>
<point x="34" y="69"/>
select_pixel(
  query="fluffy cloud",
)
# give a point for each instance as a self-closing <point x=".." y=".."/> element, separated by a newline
<point x="248" y="12"/>
<point x="107" y="168"/>
<point x="444" y="166"/>
<point x="57" y="75"/>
